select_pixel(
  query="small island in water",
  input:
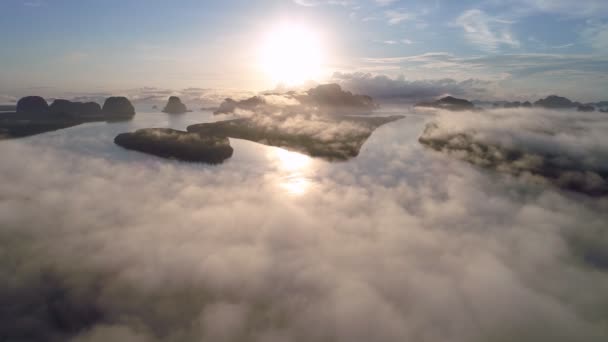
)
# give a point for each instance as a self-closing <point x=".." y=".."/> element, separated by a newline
<point x="175" y="106"/>
<point x="174" y="144"/>
<point x="332" y="139"/>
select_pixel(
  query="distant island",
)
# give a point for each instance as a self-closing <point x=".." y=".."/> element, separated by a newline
<point x="512" y="104"/>
<point x="556" y="102"/>
<point x="175" y="106"/>
<point x="33" y="115"/>
<point x="550" y="102"/>
<point x="448" y="103"/>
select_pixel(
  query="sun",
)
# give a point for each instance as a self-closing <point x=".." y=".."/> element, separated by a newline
<point x="291" y="54"/>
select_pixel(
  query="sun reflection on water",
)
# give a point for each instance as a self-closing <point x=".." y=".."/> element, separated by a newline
<point x="296" y="185"/>
<point x="294" y="168"/>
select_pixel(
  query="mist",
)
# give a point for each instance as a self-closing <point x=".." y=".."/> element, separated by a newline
<point x="560" y="147"/>
<point x="304" y="171"/>
<point x="401" y="243"/>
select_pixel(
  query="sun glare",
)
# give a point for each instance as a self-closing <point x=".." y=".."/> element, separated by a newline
<point x="294" y="166"/>
<point x="292" y="161"/>
<point x="291" y="54"/>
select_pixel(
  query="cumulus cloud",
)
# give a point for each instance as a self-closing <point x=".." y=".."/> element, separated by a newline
<point x="596" y="34"/>
<point x="487" y="32"/>
<point x="401" y="244"/>
<point x="525" y="76"/>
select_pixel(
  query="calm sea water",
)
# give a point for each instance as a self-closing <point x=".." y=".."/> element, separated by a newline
<point x="376" y="160"/>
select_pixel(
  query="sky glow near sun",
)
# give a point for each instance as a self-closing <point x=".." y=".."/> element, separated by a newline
<point x="517" y="50"/>
<point x="291" y="53"/>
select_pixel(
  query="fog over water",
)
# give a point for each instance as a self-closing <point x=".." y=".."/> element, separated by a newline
<point x="402" y="243"/>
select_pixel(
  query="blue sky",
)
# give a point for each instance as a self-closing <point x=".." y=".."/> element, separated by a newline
<point x="519" y="48"/>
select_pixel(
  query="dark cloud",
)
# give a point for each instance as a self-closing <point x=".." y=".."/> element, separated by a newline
<point x="382" y="87"/>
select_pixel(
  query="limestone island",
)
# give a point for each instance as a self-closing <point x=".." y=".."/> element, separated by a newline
<point x="175" y="106"/>
<point x="179" y="145"/>
<point x="448" y="103"/>
<point x="33" y="115"/>
<point x="332" y="139"/>
<point x="307" y="122"/>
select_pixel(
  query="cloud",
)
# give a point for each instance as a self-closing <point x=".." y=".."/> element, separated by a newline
<point x="33" y="4"/>
<point x="326" y="99"/>
<point x="522" y="75"/>
<point x="596" y="34"/>
<point x="401" y="244"/>
<point x="314" y="3"/>
<point x="385" y="2"/>
<point x="562" y="148"/>
<point x="382" y="87"/>
<point x="396" y="42"/>
<point x="7" y="99"/>
<point x="562" y="46"/>
<point x="519" y="64"/>
<point x="487" y="32"/>
<point x="567" y="8"/>
<point x="398" y="16"/>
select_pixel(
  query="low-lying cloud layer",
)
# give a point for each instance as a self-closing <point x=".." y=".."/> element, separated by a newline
<point x="565" y="148"/>
<point x="401" y="244"/>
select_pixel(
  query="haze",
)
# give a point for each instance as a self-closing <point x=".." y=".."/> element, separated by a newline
<point x="304" y="170"/>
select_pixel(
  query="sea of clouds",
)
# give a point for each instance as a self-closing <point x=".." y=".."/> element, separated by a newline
<point x="565" y="148"/>
<point x="401" y="244"/>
